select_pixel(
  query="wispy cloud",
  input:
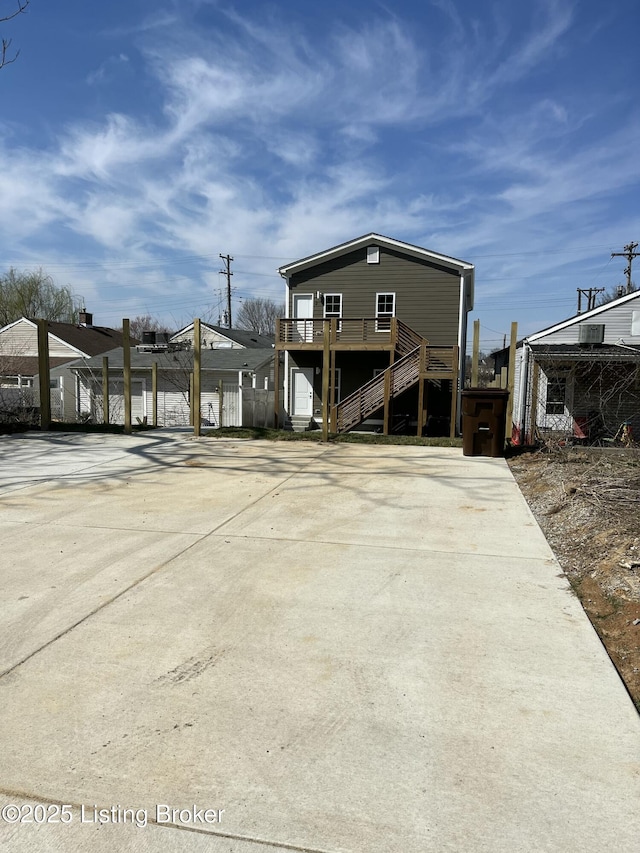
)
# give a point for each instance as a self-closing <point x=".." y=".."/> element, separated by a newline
<point x="107" y="69"/>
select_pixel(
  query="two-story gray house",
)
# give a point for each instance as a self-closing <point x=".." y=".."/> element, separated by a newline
<point x="374" y="337"/>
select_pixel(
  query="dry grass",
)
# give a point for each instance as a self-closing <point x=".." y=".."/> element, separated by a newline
<point x="587" y="503"/>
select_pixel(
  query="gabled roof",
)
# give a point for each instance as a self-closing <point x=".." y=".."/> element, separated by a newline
<point x="588" y="315"/>
<point x="375" y="240"/>
<point x="248" y="339"/>
<point x="86" y="340"/>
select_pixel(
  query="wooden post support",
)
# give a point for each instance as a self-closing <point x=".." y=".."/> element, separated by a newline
<point x="422" y="368"/>
<point x="126" y="361"/>
<point x="326" y="352"/>
<point x="191" y="398"/>
<point x="334" y="401"/>
<point x="387" y="402"/>
<point x="197" y="377"/>
<point x="154" y="392"/>
<point x="475" y="358"/>
<point x="535" y="383"/>
<point x="511" y="379"/>
<point x="105" y="390"/>
<point x="43" y="374"/>
<point x="455" y="357"/>
<point x="220" y="403"/>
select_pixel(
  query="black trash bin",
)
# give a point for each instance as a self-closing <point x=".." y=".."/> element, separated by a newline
<point x="484" y="415"/>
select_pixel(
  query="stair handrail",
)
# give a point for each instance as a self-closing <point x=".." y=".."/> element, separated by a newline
<point x="376" y="384"/>
<point x="407" y="339"/>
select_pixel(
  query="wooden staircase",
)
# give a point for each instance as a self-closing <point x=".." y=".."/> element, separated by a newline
<point x="370" y="397"/>
<point x="418" y="361"/>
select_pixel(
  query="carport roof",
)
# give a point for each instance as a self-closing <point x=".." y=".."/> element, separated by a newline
<point x="582" y="352"/>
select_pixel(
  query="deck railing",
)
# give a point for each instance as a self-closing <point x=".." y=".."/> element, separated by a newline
<point x="406" y="339"/>
<point x="343" y="331"/>
<point x="366" y="330"/>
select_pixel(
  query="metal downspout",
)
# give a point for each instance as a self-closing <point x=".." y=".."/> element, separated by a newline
<point x="522" y="391"/>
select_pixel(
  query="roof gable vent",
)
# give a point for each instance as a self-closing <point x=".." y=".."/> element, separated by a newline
<point x="591" y="333"/>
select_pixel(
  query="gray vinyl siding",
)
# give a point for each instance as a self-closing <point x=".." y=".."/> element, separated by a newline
<point x="427" y="295"/>
<point x="617" y="325"/>
<point x="356" y="369"/>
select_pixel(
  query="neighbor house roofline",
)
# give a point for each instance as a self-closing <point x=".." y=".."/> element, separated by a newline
<point x="244" y="337"/>
<point x="578" y="318"/>
<point x="86" y="341"/>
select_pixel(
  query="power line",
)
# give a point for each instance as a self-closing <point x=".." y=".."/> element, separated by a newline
<point x="227" y="271"/>
<point x="629" y="253"/>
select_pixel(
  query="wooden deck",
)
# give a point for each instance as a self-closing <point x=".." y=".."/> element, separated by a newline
<point x="418" y="362"/>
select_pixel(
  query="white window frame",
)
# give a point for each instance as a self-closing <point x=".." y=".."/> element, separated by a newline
<point x="557" y="421"/>
<point x="373" y="254"/>
<point x="384" y="315"/>
<point x="330" y="315"/>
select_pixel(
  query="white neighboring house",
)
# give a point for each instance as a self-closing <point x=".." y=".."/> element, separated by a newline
<point x="236" y="385"/>
<point x="219" y="337"/>
<point x="581" y="376"/>
<point x="67" y="342"/>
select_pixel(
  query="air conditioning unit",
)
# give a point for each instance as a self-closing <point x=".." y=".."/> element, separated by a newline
<point x="591" y="333"/>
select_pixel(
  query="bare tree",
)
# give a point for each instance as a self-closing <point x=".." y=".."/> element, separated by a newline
<point x="615" y="293"/>
<point x="145" y="323"/>
<point x="35" y="295"/>
<point x="6" y="43"/>
<point x="259" y="315"/>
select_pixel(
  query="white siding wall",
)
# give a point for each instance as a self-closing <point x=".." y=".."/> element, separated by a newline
<point x="617" y="322"/>
<point x="173" y="402"/>
<point x="208" y="337"/>
<point x="19" y="339"/>
<point x="22" y="339"/>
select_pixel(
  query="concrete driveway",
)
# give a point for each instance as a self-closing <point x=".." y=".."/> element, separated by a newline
<point x="247" y="646"/>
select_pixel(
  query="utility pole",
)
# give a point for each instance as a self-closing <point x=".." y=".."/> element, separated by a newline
<point x="591" y="294"/>
<point x="227" y="271"/>
<point x="629" y="253"/>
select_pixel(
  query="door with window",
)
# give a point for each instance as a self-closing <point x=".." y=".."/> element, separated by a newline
<point x="385" y="310"/>
<point x="302" y="391"/>
<point x="303" y="313"/>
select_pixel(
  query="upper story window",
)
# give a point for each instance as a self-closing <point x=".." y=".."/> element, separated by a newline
<point x="385" y="310"/>
<point x="333" y="305"/>
<point x="373" y="255"/>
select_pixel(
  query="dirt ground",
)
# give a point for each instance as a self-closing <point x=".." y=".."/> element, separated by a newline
<point x="587" y="502"/>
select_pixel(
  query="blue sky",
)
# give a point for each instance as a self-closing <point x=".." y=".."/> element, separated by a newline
<point x="141" y="139"/>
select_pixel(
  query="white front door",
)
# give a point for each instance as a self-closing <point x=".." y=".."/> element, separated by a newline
<point x="302" y="383"/>
<point x="303" y="311"/>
